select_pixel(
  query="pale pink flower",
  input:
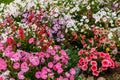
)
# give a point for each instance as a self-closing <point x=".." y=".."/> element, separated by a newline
<point x="72" y="71"/>
<point x="67" y="74"/>
<point x="21" y="75"/>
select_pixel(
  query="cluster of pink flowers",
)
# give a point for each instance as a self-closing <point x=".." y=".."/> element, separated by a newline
<point x="95" y="62"/>
<point x="48" y="64"/>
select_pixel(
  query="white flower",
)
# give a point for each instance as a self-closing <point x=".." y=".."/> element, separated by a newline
<point x="88" y="7"/>
<point x="104" y="19"/>
<point x="110" y="35"/>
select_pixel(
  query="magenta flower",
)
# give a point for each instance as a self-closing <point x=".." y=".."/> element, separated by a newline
<point x="50" y="65"/>
<point x="34" y="60"/>
<point x="16" y="65"/>
<point x="3" y="64"/>
<point x="38" y="74"/>
<point x="31" y="40"/>
<point x="24" y="67"/>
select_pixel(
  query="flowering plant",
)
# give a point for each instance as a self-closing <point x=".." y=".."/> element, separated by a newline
<point x="95" y="62"/>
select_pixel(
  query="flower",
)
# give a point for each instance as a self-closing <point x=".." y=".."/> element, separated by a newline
<point x="38" y="74"/>
<point x="24" y="67"/>
<point x="16" y="65"/>
<point x="105" y="63"/>
<point x="31" y="40"/>
<point x="34" y="60"/>
<point x="72" y="71"/>
<point x="3" y="64"/>
<point x="93" y="63"/>
<point x="95" y="73"/>
<point x="94" y="68"/>
<point x="50" y="64"/>
<point x="84" y="67"/>
<point x="20" y="75"/>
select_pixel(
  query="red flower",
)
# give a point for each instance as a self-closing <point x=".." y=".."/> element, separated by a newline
<point x="105" y="63"/>
<point x="84" y="67"/>
<point x="102" y="55"/>
<point x="95" y="73"/>
<point x="80" y="52"/>
<point x="10" y="41"/>
<point x="21" y="33"/>
<point x="93" y="63"/>
<point x="94" y="68"/>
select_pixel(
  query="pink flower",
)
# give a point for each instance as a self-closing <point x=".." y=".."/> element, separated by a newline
<point x="51" y="75"/>
<point x="50" y="64"/>
<point x="38" y="74"/>
<point x="80" y="52"/>
<point x="95" y="73"/>
<point x="56" y="58"/>
<point x="72" y="71"/>
<point x="104" y="68"/>
<point x="1" y="78"/>
<point x="92" y="50"/>
<point x="24" y="67"/>
<point x="107" y="56"/>
<point x="71" y="77"/>
<point x="81" y="61"/>
<point x="1" y="46"/>
<point x="93" y="63"/>
<point x="44" y="76"/>
<point x="12" y="79"/>
<point x="94" y="68"/>
<point x="34" y="60"/>
<point x="102" y="55"/>
<point x="63" y="53"/>
<point x="16" y="57"/>
<point x="9" y="54"/>
<point x="60" y="70"/>
<point x="67" y="74"/>
<point x="105" y="63"/>
<point x="16" y="65"/>
<point x="20" y="75"/>
<point x="84" y="67"/>
<point x="18" y="44"/>
<point x="41" y="54"/>
<point x="65" y="79"/>
<point x="31" y="40"/>
<point x="3" y="64"/>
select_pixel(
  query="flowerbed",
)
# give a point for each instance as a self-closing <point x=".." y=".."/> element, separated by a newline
<point x="47" y="39"/>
